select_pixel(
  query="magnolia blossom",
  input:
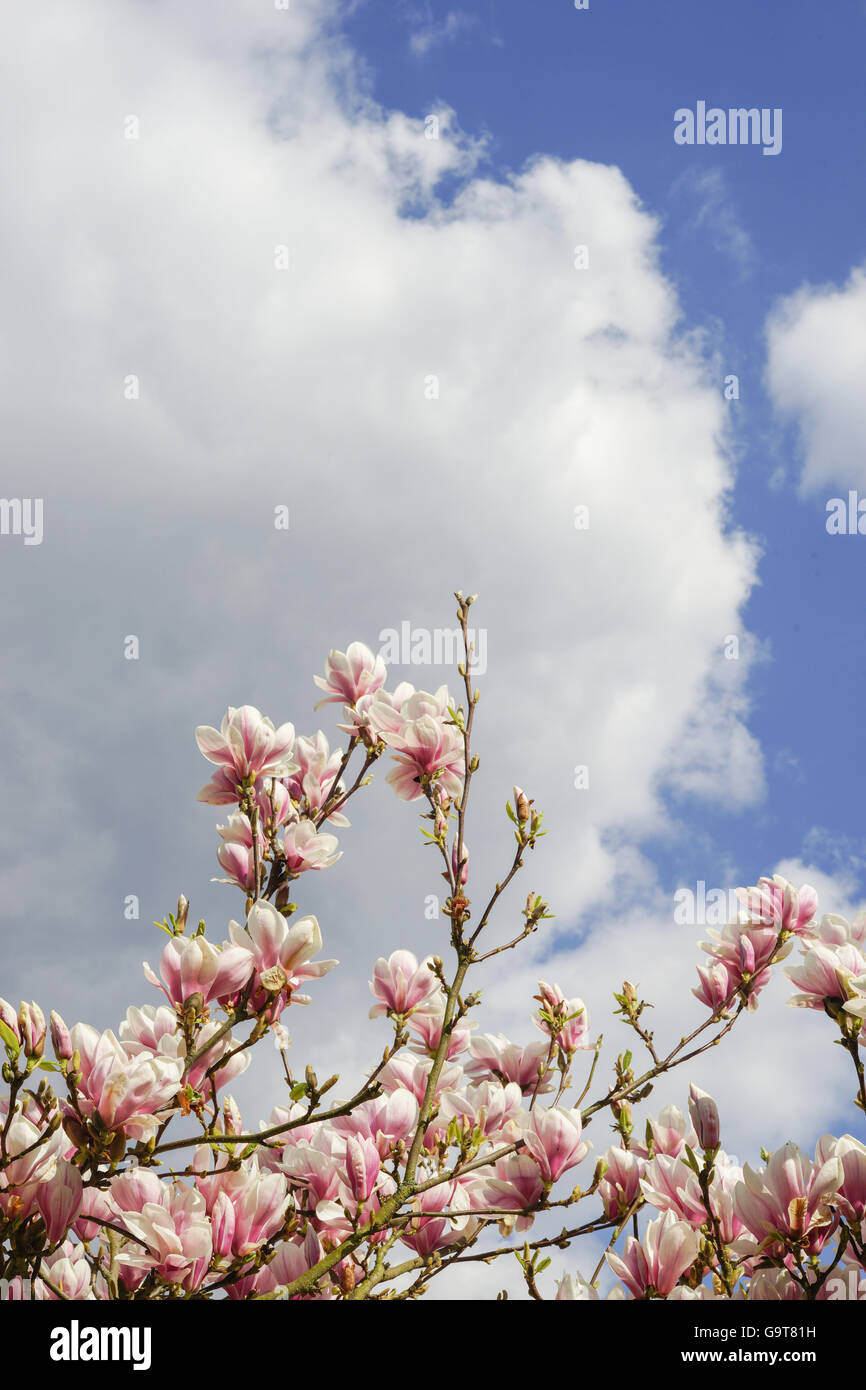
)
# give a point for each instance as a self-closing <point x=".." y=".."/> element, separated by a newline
<point x="59" y="1199"/>
<point x="236" y="855"/>
<point x="427" y="1024"/>
<point x="32" y="1163"/>
<point x="247" y="744"/>
<point x="124" y="1090"/>
<point x="411" y="1073"/>
<point x="258" y="1199"/>
<point x="351" y="674"/>
<point x="388" y="1120"/>
<point x="425" y="746"/>
<point x="489" y="1109"/>
<point x="792" y="1196"/>
<point x="746" y="953"/>
<point x="670" y="1131"/>
<point x="654" y="1264"/>
<point x="280" y="954"/>
<point x="155" y="1030"/>
<point x="313" y="782"/>
<point x="825" y="974"/>
<point x="620" y="1185"/>
<point x="493" y="1055"/>
<point x="575" y="1287"/>
<point x="306" y="848"/>
<point x="402" y="985"/>
<point x="171" y="1233"/>
<point x="193" y="965"/>
<point x="574" y="1032"/>
<point x="851" y="1153"/>
<point x="776" y="901"/>
<point x="428" y="1233"/>
<point x="553" y="1138"/>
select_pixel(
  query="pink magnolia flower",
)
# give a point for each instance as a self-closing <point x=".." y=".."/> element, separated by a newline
<point x="400" y="984"/>
<point x="386" y="1120"/>
<point x="511" y="1183"/>
<point x="825" y="973"/>
<point x="492" y="1110"/>
<point x="838" y="931"/>
<point x="171" y="1234"/>
<point x="669" y="1131"/>
<point x="280" y="953"/>
<point x="620" y="1185"/>
<point x="670" y="1185"/>
<point x="411" y="1073"/>
<point x="307" y="848"/>
<point x="654" y="1264"/>
<point x="313" y="783"/>
<point x="31" y="1165"/>
<point x="351" y="674"/>
<point x="790" y="1198"/>
<point x="427" y="1233"/>
<point x="427" y="1024"/>
<point x="747" y="953"/>
<point x="365" y="716"/>
<point x="127" y="1092"/>
<point x="425" y="745"/>
<point x="235" y="854"/>
<point x="292" y="1259"/>
<point x="553" y="1138"/>
<point x="156" y="1030"/>
<point x="774" y="1286"/>
<point x="69" y="1271"/>
<point x="259" y="1199"/>
<point x="493" y="1055"/>
<point x="571" y="1026"/>
<point x="313" y="1167"/>
<point x="247" y="744"/>
<point x="192" y="965"/>
<point x="59" y="1200"/>
<point x="777" y="902"/>
<point x="851" y="1153"/>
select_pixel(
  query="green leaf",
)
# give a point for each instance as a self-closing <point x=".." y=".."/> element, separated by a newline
<point x="13" y="1046"/>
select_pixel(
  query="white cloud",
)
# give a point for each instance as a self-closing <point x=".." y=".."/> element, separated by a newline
<point x="432" y="34"/>
<point x="816" y="364"/>
<point x="716" y="217"/>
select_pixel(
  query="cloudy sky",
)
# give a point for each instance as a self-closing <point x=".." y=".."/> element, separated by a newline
<point x="441" y="282"/>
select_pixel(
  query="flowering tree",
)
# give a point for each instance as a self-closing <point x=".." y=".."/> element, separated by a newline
<point x="455" y="1143"/>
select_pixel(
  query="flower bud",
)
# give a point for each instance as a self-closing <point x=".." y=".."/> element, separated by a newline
<point x="60" y="1039"/>
<point x="33" y="1029"/>
<point x="10" y="1018"/>
<point x="521" y="805"/>
<point x="704" y="1115"/>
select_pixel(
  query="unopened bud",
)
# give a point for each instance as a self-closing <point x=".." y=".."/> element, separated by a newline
<point x="60" y="1039"/>
<point x="182" y="910"/>
<point x="704" y="1115"/>
<point x="521" y="805"/>
<point x="33" y="1029"/>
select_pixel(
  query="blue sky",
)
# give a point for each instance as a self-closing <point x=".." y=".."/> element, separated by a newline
<point x="154" y="258"/>
<point x="603" y="84"/>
